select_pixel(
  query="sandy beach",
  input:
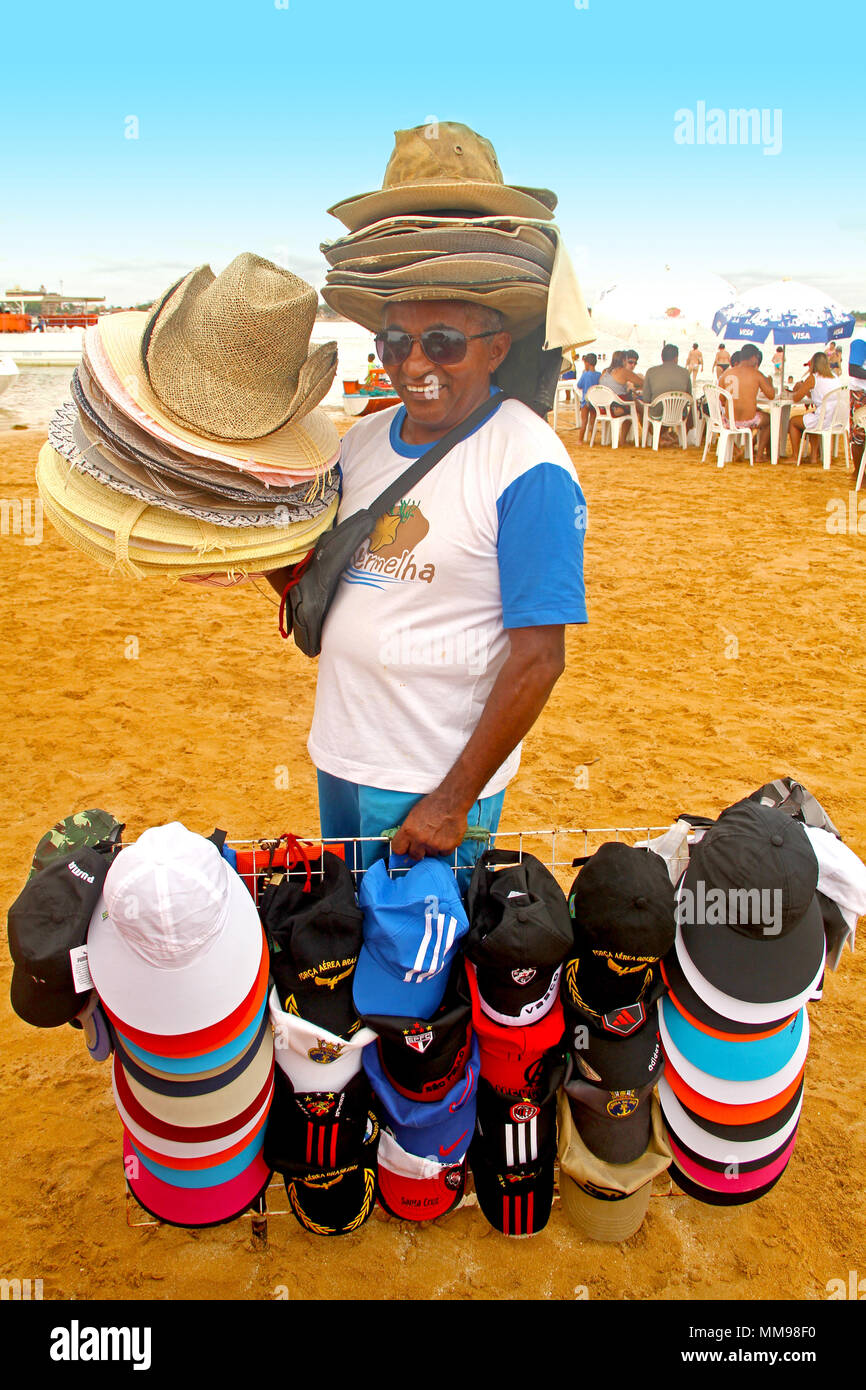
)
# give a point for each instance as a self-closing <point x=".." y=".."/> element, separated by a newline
<point x="725" y="647"/>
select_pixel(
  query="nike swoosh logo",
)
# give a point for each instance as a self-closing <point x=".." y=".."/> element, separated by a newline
<point x="445" y="1152"/>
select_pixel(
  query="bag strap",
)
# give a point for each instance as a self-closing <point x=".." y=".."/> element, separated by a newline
<point x="421" y="466"/>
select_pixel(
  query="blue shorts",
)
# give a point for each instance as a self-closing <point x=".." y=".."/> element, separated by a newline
<point x="349" y="810"/>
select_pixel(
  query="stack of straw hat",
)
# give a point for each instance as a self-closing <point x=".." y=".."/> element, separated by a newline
<point x="611" y="1145"/>
<point x="445" y="225"/>
<point x="749" y="954"/>
<point x="178" y="957"/>
<point x="193" y="442"/>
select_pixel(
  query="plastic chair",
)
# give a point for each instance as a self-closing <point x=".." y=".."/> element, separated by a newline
<point x="718" y="424"/>
<point x="673" y="404"/>
<point x="860" y="422"/>
<point x="833" y="421"/>
<point x="601" y="398"/>
<point x="565" y="386"/>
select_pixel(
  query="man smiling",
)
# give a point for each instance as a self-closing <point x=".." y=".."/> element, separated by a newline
<point x="446" y="635"/>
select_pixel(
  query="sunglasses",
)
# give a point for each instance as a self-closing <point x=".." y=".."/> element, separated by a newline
<point x="442" y="346"/>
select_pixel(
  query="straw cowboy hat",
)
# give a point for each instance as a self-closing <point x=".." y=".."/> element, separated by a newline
<point x="228" y="355"/>
<point x="443" y="166"/>
<point x="523" y="305"/>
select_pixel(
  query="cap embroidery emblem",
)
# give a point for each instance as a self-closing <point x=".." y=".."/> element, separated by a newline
<point x="325" y="1052"/>
<point x="523" y="977"/>
<point x="622" y="1103"/>
<point x="523" y="1111"/>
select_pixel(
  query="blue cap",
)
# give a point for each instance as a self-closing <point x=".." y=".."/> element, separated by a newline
<point x="413" y="925"/>
<point x="750" y="1059"/>
<point x="440" y="1130"/>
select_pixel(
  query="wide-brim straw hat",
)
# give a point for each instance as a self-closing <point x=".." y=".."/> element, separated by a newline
<point x="528" y="242"/>
<point x="69" y="437"/>
<point x="113" y="351"/>
<point x="229" y="355"/>
<point x="483" y="270"/>
<point x="126" y="534"/>
<point x="523" y="306"/>
<point x="607" y="1201"/>
<point x="443" y="166"/>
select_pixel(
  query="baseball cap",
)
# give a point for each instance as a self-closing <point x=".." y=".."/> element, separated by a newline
<point x="719" y="1199"/>
<point x="230" y="1165"/>
<point x="516" y="1200"/>
<point x="745" y="1156"/>
<point x="737" y="1009"/>
<point x="309" y="1130"/>
<point x="607" y="1201"/>
<point x="314" y="929"/>
<point x="743" y="1059"/>
<point x="438" y="1129"/>
<point x="313" y="1058"/>
<point x="221" y="1059"/>
<point x="413" y="924"/>
<point x="515" y="1059"/>
<point x="182" y="1146"/>
<point x="193" y="1083"/>
<point x="91" y="828"/>
<point x="736" y="1178"/>
<point x="750" y="1130"/>
<point x="618" y="1061"/>
<point x="181" y="944"/>
<point x="339" y="1200"/>
<point x="622" y="903"/>
<point x="520" y="932"/>
<point x="47" y="928"/>
<point x="736" y="1091"/>
<point x="615" y="1125"/>
<point x="699" y="1013"/>
<point x="193" y="1207"/>
<point x="413" y="1188"/>
<point x="726" y="1112"/>
<point x="512" y="1130"/>
<point x="746" y="906"/>
<point x="424" y="1058"/>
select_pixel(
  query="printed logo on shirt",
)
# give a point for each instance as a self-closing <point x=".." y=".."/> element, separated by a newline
<point x="389" y="555"/>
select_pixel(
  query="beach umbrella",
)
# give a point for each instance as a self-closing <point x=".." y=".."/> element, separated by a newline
<point x="786" y="311"/>
<point x="669" y="304"/>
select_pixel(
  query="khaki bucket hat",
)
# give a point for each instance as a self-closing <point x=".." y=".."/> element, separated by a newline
<point x="607" y="1201"/>
<point x="443" y="165"/>
<point x="229" y="355"/>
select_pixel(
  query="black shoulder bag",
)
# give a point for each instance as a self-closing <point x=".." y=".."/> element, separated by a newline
<point x="310" y="591"/>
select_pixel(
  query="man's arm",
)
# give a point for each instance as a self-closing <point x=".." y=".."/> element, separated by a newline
<point x="278" y="579"/>
<point x="767" y="386"/>
<point x="437" y="824"/>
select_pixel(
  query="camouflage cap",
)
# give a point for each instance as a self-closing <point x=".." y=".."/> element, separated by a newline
<point x="83" y="828"/>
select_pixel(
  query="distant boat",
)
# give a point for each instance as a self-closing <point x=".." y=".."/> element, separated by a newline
<point x="377" y="393"/>
<point x="8" y="372"/>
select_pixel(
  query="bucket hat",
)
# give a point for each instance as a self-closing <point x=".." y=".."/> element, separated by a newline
<point x="229" y="354"/>
<point x="443" y="167"/>
<point x="522" y="305"/>
<point x="179" y="944"/>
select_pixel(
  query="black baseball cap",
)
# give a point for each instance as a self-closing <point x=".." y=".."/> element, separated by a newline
<point x="615" y="1125"/>
<point x="48" y="920"/>
<point x="741" y="1133"/>
<point x="711" y="1198"/>
<point x="616" y="1060"/>
<point x="314" y="929"/>
<point x="425" y="1058"/>
<point x="516" y="1201"/>
<point x="520" y="932"/>
<point x="746" y="906"/>
<point x="691" y="1003"/>
<point x="308" y="1131"/>
<point x="512" y="1129"/>
<point x="336" y="1201"/>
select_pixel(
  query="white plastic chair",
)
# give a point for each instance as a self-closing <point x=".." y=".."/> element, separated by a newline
<point x="601" y="398"/>
<point x="717" y="424"/>
<point x="673" y="404"/>
<point x="860" y="422"/>
<point x="563" y="387"/>
<point x="833" y="421"/>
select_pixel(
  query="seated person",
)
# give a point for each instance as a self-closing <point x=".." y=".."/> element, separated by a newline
<point x="617" y="379"/>
<point x="743" y="380"/>
<point x="818" y="382"/>
<point x="667" y="377"/>
<point x="634" y="377"/>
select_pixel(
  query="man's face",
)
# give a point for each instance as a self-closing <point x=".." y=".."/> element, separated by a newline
<point x="437" y="397"/>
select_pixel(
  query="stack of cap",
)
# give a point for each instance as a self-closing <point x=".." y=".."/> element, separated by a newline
<point x="321" y="1133"/>
<point x="520" y="932"/>
<point x="749" y="953"/>
<point x="607" y="1201"/>
<point x="622" y="902"/>
<point x="193" y="442"/>
<point x="444" y="225"/>
<point x="178" y="957"/>
<point x="424" y="1067"/>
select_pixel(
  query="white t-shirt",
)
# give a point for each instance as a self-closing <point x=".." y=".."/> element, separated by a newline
<point x="490" y="539"/>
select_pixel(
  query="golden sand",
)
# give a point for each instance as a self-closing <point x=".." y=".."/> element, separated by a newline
<point x="725" y="648"/>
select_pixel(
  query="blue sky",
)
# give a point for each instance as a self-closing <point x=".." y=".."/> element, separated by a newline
<point x="255" y="115"/>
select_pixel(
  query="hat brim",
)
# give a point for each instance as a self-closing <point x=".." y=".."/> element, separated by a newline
<point x="516" y="1201"/>
<point x="341" y="1205"/>
<point x="740" y="1181"/>
<point x="523" y="306"/>
<point x="186" y="1000"/>
<point x="383" y="249"/>
<point x="746" y="1010"/>
<point x="692" y="1007"/>
<point x="455" y="196"/>
<point x="165" y="1147"/>
<point x="197" y="1083"/>
<point x="190" y="1207"/>
<point x="709" y="1148"/>
<point x="710" y="1198"/>
<point x="40" y="1006"/>
<point x="749" y="1059"/>
<point x="735" y="1131"/>
<point x="726" y="1092"/>
<point x="213" y="1175"/>
<point x="482" y="272"/>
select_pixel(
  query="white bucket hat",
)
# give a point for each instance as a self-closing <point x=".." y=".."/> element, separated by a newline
<point x="175" y="944"/>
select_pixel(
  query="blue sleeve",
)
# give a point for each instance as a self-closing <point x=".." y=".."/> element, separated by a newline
<point x="542" y="523"/>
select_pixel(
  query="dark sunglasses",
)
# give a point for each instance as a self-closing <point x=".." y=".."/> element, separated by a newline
<point x="442" y="346"/>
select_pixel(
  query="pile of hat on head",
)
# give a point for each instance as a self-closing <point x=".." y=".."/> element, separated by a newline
<point x="193" y="442"/>
<point x="749" y="954"/>
<point x="445" y="226"/>
<point x="178" y="957"/>
<point x="610" y="1141"/>
<point x="519" y="935"/>
<point x="423" y="1064"/>
<point x="322" y="1134"/>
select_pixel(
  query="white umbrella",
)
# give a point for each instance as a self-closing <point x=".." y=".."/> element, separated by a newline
<point x="668" y="305"/>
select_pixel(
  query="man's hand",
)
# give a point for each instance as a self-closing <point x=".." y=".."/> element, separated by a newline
<point x="434" y="826"/>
